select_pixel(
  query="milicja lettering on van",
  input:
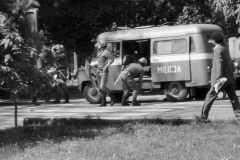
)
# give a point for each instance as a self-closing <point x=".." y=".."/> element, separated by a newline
<point x="169" y="69"/>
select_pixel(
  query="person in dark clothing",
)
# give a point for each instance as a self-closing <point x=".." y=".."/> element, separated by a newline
<point x="114" y="26"/>
<point x="134" y="70"/>
<point x="58" y="52"/>
<point x="222" y="67"/>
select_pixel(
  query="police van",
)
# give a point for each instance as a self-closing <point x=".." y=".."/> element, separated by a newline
<point x="179" y="60"/>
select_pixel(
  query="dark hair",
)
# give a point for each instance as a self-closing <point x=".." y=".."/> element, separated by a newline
<point x="217" y="37"/>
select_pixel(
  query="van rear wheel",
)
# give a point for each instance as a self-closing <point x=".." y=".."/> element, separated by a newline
<point x="91" y="94"/>
<point x="175" y="91"/>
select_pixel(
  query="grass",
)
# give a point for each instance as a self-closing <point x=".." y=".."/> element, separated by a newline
<point x="96" y="139"/>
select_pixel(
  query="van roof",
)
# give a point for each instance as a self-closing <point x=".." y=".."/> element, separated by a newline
<point x="156" y="32"/>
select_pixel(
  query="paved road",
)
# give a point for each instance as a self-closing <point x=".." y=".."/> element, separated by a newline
<point x="152" y="107"/>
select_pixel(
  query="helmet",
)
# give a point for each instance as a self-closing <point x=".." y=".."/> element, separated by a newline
<point x="143" y="61"/>
<point x="102" y="43"/>
<point x="61" y="48"/>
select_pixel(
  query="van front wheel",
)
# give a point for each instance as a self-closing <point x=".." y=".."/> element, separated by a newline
<point x="175" y="91"/>
<point x="91" y="94"/>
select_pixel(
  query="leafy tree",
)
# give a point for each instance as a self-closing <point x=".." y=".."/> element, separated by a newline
<point x="74" y="23"/>
<point x="18" y="53"/>
<point x="230" y="13"/>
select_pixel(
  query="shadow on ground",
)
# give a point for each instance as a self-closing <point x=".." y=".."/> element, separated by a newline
<point x="59" y="129"/>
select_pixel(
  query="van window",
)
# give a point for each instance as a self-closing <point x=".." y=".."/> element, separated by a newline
<point x="170" y="46"/>
<point x="210" y="42"/>
<point x="192" y="45"/>
<point x="114" y="47"/>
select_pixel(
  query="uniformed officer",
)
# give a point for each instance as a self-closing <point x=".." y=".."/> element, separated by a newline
<point x="58" y="52"/>
<point x="134" y="70"/>
<point x="105" y="59"/>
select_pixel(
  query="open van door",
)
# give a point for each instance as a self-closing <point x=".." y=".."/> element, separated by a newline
<point x="170" y="63"/>
<point x="115" y="68"/>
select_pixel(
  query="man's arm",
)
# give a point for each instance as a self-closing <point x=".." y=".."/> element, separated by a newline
<point x="218" y="64"/>
<point x="53" y="50"/>
<point x="140" y="80"/>
<point x="110" y="60"/>
<point x="60" y="56"/>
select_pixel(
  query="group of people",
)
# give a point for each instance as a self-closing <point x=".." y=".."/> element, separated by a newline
<point x="222" y="67"/>
<point x="129" y="72"/>
<point x="54" y="61"/>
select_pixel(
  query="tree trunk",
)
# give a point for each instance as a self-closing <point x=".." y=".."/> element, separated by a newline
<point x="15" y="98"/>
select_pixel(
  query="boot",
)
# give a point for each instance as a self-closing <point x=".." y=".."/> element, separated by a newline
<point x="104" y="102"/>
<point x="124" y="102"/>
<point x="135" y="103"/>
<point x="66" y="98"/>
<point x="128" y="95"/>
<point x="113" y="99"/>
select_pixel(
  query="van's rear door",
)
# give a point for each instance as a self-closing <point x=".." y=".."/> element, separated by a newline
<point x="170" y="59"/>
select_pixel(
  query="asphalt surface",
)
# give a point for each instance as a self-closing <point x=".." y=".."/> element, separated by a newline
<point x="152" y="107"/>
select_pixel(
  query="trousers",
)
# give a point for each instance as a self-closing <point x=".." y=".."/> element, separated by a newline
<point x="102" y="82"/>
<point x="129" y="84"/>
<point x="212" y="95"/>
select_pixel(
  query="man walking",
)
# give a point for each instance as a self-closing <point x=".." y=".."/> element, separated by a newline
<point x="221" y="67"/>
<point x="105" y="59"/>
<point x="134" y="70"/>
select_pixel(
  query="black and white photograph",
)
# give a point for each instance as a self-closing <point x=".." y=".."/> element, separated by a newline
<point x="119" y="79"/>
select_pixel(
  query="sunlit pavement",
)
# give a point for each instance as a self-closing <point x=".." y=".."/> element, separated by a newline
<point x="152" y="107"/>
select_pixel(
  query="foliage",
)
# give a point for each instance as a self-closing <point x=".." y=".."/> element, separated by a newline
<point x="74" y="23"/>
<point x="18" y="53"/>
<point x="230" y="15"/>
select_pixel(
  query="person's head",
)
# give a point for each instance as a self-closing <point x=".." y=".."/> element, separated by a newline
<point x="142" y="61"/>
<point x="101" y="44"/>
<point x="61" y="48"/>
<point x="217" y="37"/>
<point x="114" y="24"/>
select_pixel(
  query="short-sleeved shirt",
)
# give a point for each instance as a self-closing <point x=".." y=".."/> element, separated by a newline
<point x="103" y="57"/>
<point x="135" y="69"/>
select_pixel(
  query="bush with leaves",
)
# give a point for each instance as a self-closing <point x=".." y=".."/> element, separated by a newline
<point x="18" y="53"/>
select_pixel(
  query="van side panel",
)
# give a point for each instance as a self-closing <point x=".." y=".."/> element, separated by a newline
<point x="201" y="74"/>
<point x="200" y="61"/>
<point x="170" y="68"/>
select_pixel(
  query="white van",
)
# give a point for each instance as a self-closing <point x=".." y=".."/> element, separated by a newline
<point x="179" y="58"/>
